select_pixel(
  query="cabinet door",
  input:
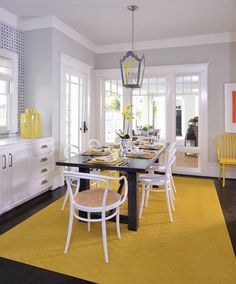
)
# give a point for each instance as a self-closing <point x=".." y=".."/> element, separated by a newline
<point x="3" y="180"/>
<point x="19" y="163"/>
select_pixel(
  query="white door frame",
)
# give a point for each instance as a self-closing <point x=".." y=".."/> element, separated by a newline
<point x="69" y="63"/>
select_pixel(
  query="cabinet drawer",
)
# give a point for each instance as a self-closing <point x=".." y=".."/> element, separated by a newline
<point x="40" y="184"/>
<point x="42" y="159"/>
<point x="42" y="170"/>
<point x="43" y="147"/>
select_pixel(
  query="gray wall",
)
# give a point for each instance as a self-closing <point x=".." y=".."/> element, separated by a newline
<point x="222" y="69"/>
<point x="42" y="72"/>
<point x="39" y="74"/>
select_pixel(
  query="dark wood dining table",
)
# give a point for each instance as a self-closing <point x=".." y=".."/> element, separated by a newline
<point x="131" y="168"/>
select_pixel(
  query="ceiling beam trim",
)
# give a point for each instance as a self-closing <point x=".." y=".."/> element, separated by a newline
<point x="172" y="42"/>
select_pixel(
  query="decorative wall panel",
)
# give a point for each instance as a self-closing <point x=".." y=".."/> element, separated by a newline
<point x="12" y="39"/>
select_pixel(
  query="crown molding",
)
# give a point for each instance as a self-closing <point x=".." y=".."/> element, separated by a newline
<point x="9" y="18"/>
<point x="172" y="42"/>
<point x="54" y="22"/>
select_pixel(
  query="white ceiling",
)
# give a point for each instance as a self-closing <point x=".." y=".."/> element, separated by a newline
<point x="109" y="22"/>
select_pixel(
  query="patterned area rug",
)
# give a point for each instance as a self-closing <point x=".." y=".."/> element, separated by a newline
<point x="195" y="248"/>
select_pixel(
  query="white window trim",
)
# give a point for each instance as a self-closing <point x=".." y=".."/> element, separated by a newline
<point x="13" y="103"/>
<point x="170" y="72"/>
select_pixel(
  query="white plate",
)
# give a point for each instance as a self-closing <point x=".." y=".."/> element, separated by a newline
<point x="138" y="152"/>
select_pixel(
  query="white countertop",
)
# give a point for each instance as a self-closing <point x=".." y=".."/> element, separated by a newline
<point x="18" y="139"/>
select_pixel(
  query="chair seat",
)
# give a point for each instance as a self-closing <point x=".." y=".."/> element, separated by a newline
<point x="93" y="198"/>
<point x="227" y="161"/>
<point x="153" y="179"/>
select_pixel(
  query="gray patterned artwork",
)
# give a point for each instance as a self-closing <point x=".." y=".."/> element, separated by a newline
<point x="12" y="39"/>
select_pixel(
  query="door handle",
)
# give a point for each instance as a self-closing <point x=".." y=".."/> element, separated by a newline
<point x="85" y="127"/>
<point x="4" y="162"/>
<point x="11" y="160"/>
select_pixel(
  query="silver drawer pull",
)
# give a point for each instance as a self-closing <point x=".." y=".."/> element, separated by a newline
<point x="44" y="171"/>
<point x="44" y="181"/>
<point x="4" y="162"/>
<point x="44" y="160"/>
<point x="44" y="146"/>
<point x="10" y="160"/>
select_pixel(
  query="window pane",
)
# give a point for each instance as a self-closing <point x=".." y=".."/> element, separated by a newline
<point x="113" y="109"/>
<point x="187" y="111"/>
<point x="3" y="87"/>
<point x="3" y="111"/>
<point x="150" y="108"/>
<point x="186" y="160"/>
<point x="73" y="110"/>
<point x="5" y="66"/>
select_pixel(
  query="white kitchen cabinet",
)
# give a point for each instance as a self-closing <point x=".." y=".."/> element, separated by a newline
<point x="19" y="160"/>
<point x="3" y="180"/>
<point x="26" y="169"/>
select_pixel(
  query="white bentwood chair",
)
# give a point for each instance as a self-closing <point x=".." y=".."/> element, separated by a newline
<point x="164" y="185"/>
<point x="100" y="200"/>
<point x="69" y="152"/>
<point x="161" y="168"/>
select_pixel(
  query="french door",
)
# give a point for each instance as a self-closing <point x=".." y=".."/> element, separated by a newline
<point x="73" y="104"/>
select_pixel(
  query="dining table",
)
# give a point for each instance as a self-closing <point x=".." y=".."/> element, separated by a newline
<point x="131" y="167"/>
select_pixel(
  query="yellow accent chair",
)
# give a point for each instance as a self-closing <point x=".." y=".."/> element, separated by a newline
<point x="226" y="153"/>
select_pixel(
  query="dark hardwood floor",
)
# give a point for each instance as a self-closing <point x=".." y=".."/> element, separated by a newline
<point x="227" y="198"/>
<point x="13" y="272"/>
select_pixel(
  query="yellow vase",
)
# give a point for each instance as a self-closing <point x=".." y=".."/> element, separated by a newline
<point x="30" y="122"/>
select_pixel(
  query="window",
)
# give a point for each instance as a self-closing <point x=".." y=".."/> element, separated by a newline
<point x="149" y="107"/>
<point x="8" y="91"/>
<point x="113" y="109"/>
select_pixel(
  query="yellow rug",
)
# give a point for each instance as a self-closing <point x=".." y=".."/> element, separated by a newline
<point x="194" y="249"/>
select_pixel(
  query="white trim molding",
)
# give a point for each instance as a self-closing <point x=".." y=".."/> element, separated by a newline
<point x="54" y="22"/>
<point x="9" y="18"/>
<point x="170" y="42"/>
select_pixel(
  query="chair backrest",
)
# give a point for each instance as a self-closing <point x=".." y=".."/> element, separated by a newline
<point x="71" y="151"/>
<point x="226" y="146"/>
<point x="170" y="158"/>
<point x="94" y="143"/>
<point x="72" y="176"/>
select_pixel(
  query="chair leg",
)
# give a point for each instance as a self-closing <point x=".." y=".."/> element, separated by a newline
<point x="171" y="194"/>
<point x="89" y="223"/>
<point x="104" y="238"/>
<point x="220" y="173"/>
<point x="69" y="230"/>
<point x="118" y="223"/>
<point x="223" y="174"/>
<point x="142" y="200"/>
<point x="65" y="200"/>
<point x="147" y="198"/>
<point x="168" y="204"/>
<point x="173" y="184"/>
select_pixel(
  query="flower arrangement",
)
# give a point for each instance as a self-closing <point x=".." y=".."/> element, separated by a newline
<point x="127" y="117"/>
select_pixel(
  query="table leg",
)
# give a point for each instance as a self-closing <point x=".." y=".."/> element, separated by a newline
<point x="133" y="201"/>
<point x="84" y="183"/>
